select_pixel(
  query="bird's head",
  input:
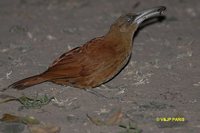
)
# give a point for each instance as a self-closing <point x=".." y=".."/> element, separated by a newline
<point x="130" y="22"/>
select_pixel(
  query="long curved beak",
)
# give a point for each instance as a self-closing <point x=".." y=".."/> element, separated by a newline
<point x="141" y="16"/>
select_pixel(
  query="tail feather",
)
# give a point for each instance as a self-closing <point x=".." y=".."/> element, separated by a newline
<point x="27" y="82"/>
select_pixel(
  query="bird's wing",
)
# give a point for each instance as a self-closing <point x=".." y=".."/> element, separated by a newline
<point x="67" y="65"/>
<point x="80" y="61"/>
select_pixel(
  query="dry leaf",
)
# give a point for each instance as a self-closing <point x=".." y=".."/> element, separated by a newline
<point x="44" y="129"/>
<point x="113" y="120"/>
<point x="19" y="119"/>
<point x="30" y="120"/>
<point x="10" y="118"/>
<point x="96" y="121"/>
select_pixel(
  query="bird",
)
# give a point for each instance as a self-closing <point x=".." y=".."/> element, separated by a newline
<point x="98" y="60"/>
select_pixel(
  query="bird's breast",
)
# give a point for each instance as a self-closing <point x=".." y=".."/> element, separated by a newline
<point x="111" y="58"/>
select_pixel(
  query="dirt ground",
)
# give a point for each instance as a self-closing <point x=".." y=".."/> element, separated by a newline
<point x="162" y="79"/>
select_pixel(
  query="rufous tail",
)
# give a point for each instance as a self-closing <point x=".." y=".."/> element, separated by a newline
<point x="27" y="82"/>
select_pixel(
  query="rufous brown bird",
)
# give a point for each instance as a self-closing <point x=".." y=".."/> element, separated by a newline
<point x="98" y="60"/>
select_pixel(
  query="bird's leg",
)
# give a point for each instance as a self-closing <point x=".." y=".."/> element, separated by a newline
<point x="97" y="94"/>
<point x="102" y="87"/>
<point x="105" y="87"/>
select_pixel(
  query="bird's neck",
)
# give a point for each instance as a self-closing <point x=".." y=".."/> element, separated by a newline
<point x="119" y="37"/>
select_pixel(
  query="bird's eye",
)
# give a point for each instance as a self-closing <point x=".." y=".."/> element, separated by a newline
<point x="128" y="19"/>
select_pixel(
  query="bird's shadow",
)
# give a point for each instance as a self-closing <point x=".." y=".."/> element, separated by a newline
<point x="146" y="23"/>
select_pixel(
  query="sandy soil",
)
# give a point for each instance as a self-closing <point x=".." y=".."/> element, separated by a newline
<point x="161" y="80"/>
